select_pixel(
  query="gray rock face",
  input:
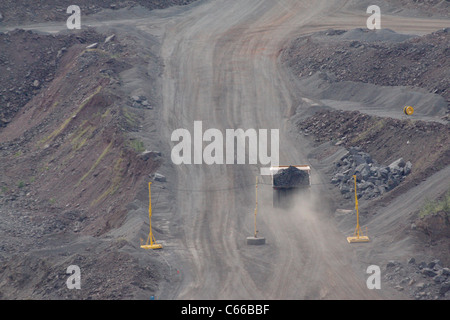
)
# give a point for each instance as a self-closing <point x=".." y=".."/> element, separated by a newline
<point x="429" y="272"/>
<point x="445" y="287"/>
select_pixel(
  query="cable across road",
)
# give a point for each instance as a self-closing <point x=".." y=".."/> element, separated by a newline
<point x="228" y="188"/>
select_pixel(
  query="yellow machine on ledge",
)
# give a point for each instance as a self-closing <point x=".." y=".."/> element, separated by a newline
<point x="358" y="236"/>
<point x="408" y="110"/>
<point x="151" y="242"/>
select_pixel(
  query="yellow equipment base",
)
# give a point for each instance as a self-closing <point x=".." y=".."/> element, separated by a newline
<point x="358" y="239"/>
<point x="151" y="247"/>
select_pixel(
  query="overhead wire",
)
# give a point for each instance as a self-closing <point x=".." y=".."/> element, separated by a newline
<point x="226" y="188"/>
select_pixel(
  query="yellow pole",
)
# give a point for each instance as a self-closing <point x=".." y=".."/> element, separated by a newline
<point x="150" y="211"/>
<point x="150" y="234"/>
<point x="256" y="208"/>
<point x="357" y="211"/>
<point x="358" y="237"/>
<point x="150" y="238"/>
<point x="255" y="240"/>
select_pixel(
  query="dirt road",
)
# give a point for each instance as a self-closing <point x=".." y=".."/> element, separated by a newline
<point x="221" y="67"/>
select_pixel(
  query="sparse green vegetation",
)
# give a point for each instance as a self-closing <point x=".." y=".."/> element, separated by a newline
<point x="96" y="162"/>
<point x="431" y="207"/>
<point x="114" y="184"/>
<point x="106" y="113"/>
<point x="129" y="118"/>
<point x="376" y="127"/>
<point x="137" y="146"/>
<point x="72" y="116"/>
<point x="81" y="136"/>
<point x="21" y="184"/>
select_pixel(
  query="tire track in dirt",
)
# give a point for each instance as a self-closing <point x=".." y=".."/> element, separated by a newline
<point x="222" y="61"/>
<point x="238" y="85"/>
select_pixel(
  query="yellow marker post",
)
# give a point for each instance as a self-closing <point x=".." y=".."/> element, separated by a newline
<point x="255" y="240"/>
<point x="152" y="245"/>
<point x="256" y="207"/>
<point x="358" y="236"/>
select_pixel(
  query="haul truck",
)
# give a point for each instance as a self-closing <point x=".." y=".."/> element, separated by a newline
<point x="288" y="181"/>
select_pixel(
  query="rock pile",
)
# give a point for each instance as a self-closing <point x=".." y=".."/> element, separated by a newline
<point x="422" y="281"/>
<point x="140" y="102"/>
<point x="372" y="179"/>
<point x="417" y="62"/>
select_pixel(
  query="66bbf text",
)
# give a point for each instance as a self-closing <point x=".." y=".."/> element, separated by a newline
<point x="247" y="309"/>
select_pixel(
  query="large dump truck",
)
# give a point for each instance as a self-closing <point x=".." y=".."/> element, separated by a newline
<point x="288" y="181"/>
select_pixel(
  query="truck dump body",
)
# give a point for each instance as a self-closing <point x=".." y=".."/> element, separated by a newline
<point x="287" y="182"/>
<point x="291" y="177"/>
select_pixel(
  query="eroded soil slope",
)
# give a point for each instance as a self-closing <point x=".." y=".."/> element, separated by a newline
<point x="68" y="166"/>
<point x="382" y="58"/>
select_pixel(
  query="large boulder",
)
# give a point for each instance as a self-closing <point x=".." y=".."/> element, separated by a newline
<point x="383" y="172"/>
<point x="408" y="168"/>
<point x="429" y="272"/>
<point x="147" y="154"/>
<point x="159" y="177"/>
<point x="354" y="150"/>
<point x="397" y="164"/>
<point x="445" y="287"/>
